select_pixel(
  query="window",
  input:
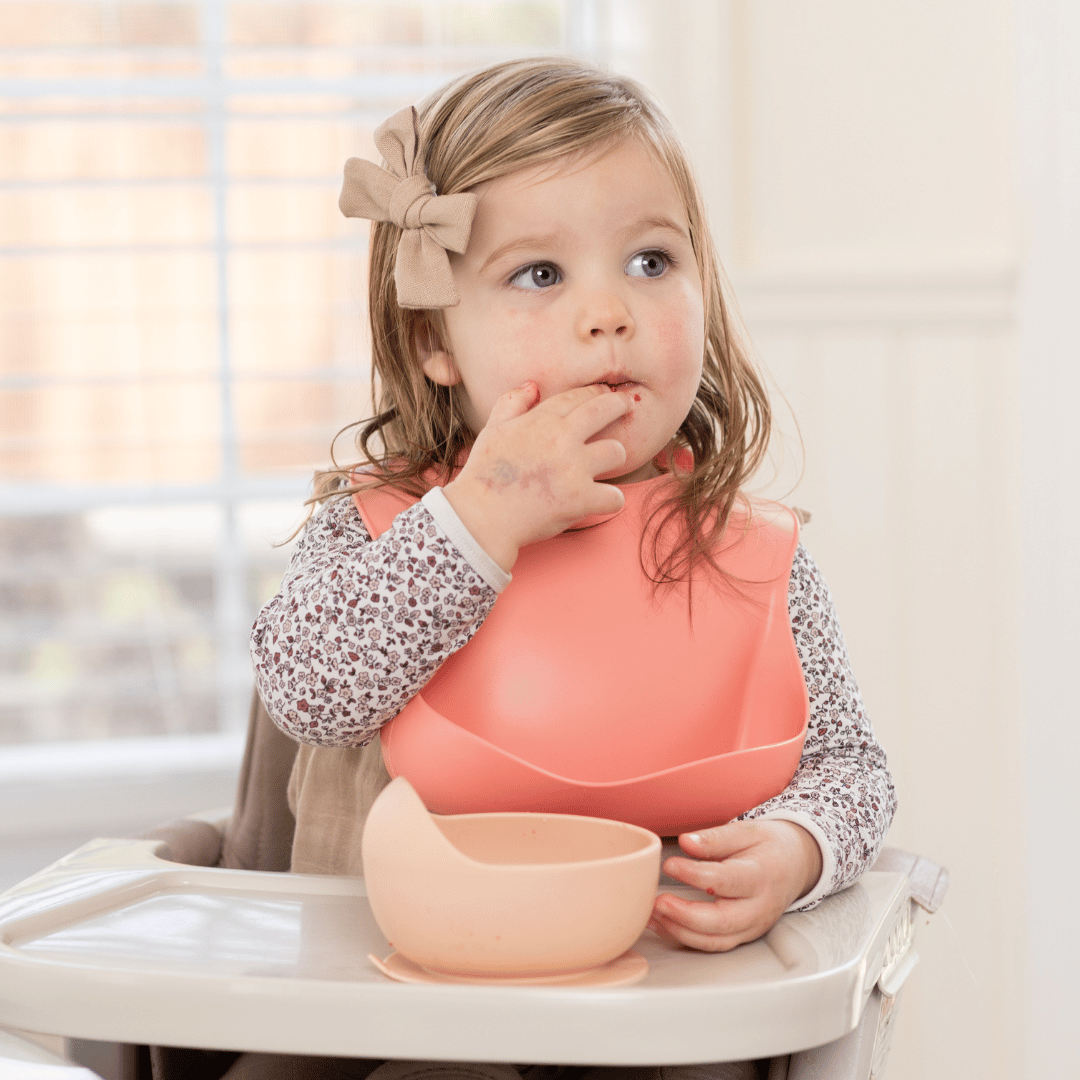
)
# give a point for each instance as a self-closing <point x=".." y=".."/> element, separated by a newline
<point x="181" y="319"/>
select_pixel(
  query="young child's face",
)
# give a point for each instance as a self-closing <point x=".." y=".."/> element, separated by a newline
<point x="578" y="274"/>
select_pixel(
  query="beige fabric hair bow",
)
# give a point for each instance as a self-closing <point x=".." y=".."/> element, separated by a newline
<point x="432" y="224"/>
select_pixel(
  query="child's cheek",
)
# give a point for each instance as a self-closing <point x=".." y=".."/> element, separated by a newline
<point x="532" y="352"/>
<point x="680" y="324"/>
<point x="679" y="338"/>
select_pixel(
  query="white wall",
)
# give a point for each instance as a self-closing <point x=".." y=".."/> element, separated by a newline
<point x="54" y="797"/>
<point x="1048" y="395"/>
<point x="860" y="161"/>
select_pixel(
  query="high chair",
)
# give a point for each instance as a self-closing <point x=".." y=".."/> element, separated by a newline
<point x="192" y="937"/>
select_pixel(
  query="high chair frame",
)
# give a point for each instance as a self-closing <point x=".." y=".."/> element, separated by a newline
<point x="817" y="995"/>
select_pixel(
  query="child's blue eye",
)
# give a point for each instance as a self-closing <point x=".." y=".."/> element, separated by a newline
<point x="648" y="264"/>
<point x="536" y="276"/>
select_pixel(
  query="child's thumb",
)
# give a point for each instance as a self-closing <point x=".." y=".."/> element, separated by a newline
<point x="513" y="403"/>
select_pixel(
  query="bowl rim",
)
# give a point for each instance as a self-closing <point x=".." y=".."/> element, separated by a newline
<point x="654" y="842"/>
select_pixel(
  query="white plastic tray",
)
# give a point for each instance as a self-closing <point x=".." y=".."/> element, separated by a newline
<point x="115" y="943"/>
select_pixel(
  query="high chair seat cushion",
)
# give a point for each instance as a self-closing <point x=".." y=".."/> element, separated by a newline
<point x="259" y="835"/>
<point x="187" y="841"/>
<point x="259" y="831"/>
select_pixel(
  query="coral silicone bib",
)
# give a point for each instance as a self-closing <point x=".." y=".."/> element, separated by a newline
<point x="586" y="692"/>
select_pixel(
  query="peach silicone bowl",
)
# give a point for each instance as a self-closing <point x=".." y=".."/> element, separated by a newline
<point x="506" y="894"/>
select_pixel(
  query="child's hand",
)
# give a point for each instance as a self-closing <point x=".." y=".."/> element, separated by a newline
<point x="532" y="471"/>
<point x="755" y="869"/>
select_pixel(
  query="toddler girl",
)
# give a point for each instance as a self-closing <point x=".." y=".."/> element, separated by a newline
<point x="565" y="422"/>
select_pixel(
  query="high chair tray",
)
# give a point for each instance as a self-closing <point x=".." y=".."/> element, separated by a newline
<point x="115" y="943"/>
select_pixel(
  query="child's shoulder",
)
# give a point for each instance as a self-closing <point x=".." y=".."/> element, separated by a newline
<point x="765" y="513"/>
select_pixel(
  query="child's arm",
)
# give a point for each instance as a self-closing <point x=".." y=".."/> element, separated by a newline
<point x="840" y="802"/>
<point x="360" y="625"/>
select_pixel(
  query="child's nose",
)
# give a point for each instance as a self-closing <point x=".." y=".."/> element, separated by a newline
<point x="606" y="315"/>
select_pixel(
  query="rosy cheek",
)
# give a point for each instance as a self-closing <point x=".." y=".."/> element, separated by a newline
<point x="679" y="337"/>
<point x="673" y="335"/>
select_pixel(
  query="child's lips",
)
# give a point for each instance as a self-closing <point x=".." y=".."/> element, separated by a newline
<point x="615" y="385"/>
<point x="617" y="379"/>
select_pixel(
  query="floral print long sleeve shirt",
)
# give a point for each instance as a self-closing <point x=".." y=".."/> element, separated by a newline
<point x="360" y="626"/>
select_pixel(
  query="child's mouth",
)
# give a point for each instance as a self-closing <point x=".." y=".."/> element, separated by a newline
<point x="618" y="382"/>
<point x="628" y="386"/>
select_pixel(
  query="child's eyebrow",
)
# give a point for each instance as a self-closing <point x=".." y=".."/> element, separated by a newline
<point x="541" y="241"/>
<point x="523" y="243"/>
<point x="651" y="222"/>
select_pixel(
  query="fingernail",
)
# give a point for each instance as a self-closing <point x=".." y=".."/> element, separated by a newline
<point x="695" y="838"/>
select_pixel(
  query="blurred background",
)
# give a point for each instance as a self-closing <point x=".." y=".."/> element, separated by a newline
<point x="895" y="192"/>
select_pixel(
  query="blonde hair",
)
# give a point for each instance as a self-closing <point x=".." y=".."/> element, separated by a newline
<point x="497" y="121"/>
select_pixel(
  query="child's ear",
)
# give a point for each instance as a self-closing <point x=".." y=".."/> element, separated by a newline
<point x="435" y="360"/>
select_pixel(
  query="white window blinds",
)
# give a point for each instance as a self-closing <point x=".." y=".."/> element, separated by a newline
<point x="182" y="319"/>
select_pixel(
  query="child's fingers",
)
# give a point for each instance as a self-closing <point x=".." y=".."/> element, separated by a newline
<point x="722" y="918"/>
<point x="513" y="403"/>
<point x="596" y="413"/>
<point x="680" y="936"/>
<point x="713" y="926"/>
<point x="604" y="455"/>
<point x="677" y="935"/>
<point x="734" y="877"/>
<point x="721" y="841"/>
<point x="570" y="401"/>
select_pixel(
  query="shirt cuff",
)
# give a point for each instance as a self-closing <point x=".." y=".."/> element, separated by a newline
<point x="828" y="858"/>
<point x="438" y="506"/>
